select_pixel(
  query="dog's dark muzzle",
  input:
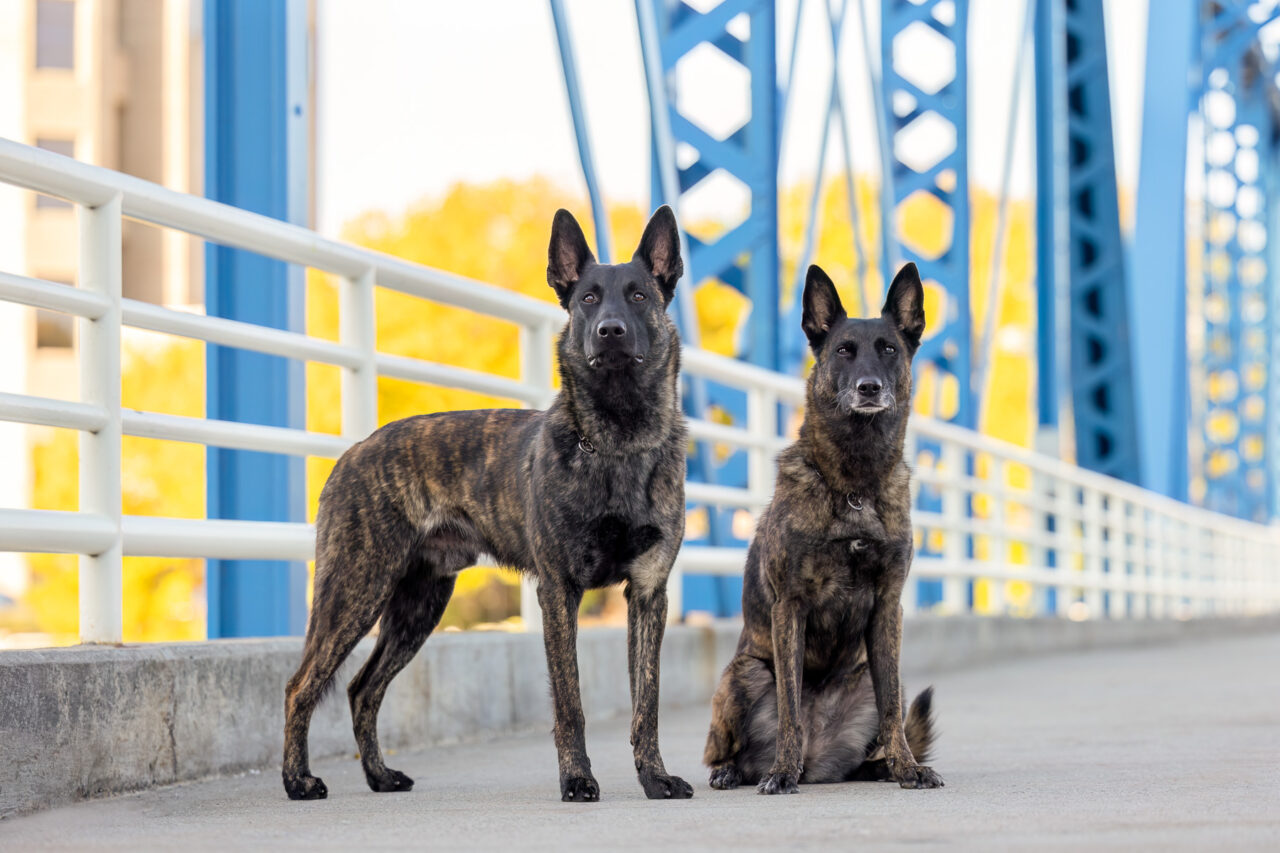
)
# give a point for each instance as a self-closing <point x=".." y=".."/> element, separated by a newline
<point x="866" y="396"/>
<point x="612" y="345"/>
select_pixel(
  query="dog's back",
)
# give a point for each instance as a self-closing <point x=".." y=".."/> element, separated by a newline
<point x="457" y="479"/>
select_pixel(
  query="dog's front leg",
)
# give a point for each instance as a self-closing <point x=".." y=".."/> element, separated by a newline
<point x="884" y="645"/>
<point x="788" y="661"/>
<point x="559" y="602"/>
<point x="646" y="623"/>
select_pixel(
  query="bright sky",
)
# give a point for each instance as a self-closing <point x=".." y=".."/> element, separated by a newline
<point x="416" y="96"/>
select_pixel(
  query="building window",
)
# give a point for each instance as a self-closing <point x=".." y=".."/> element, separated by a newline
<point x="54" y="330"/>
<point x="55" y="34"/>
<point x="65" y="147"/>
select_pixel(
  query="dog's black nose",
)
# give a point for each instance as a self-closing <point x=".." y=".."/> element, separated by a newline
<point x="869" y="387"/>
<point x="611" y="328"/>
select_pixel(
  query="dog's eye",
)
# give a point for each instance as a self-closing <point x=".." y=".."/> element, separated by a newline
<point x="638" y="297"/>
<point x="844" y="350"/>
<point x="590" y="299"/>
<point x="890" y="349"/>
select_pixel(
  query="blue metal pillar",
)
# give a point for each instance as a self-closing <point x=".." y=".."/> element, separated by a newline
<point x="1052" y="399"/>
<point x="928" y="135"/>
<point x="1239" y="143"/>
<point x="1072" y="79"/>
<point x="256" y="150"/>
<point x="1157" y="273"/>
<point x="745" y="257"/>
<point x="749" y="154"/>
<point x="925" y="157"/>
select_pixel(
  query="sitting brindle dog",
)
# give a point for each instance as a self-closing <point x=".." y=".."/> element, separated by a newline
<point x="586" y="494"/>
<point x="824" y="574"/>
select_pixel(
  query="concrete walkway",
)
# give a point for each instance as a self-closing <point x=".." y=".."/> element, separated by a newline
<point x="1170" y="747"/>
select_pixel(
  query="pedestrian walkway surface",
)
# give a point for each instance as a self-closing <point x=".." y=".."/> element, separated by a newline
<point x="1173" y="747"/>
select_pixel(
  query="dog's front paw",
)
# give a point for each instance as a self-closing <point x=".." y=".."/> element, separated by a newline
<point x="917" y="776"/>
<point x="779" y="782"/>
<point x="388" y="780"/>
<point x="304" y="787"/>
<point x="726" y="777"/>
<point x="579" y="789"/>
<point x="660" y="786"/>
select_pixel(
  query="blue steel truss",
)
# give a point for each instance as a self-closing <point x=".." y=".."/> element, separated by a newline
<point x="1075" y="133"/>
<point x="1239" y="282"/>
<point x="1158" y="257"/>
<point x="928" y="125"/>
<point x="746" y="256"/>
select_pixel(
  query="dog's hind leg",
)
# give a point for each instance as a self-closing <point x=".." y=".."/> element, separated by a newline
<point x="323" y="654"/>
<point x="352" y="585"/>
<point x="411" y="614"/>
<point x="746" y="679"/>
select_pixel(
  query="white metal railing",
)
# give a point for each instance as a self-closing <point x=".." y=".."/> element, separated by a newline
<point x="1023" y="523"/>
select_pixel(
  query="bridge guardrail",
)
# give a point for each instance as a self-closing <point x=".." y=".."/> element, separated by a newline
<point x="1010" y="520"/>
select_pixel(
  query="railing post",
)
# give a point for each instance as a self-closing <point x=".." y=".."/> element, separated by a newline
<point x="1118" y="574"/>
<point x="762" y="423"/>
<point x="1037" y="551"/>
<point x="357" y="328"/>
<point x="101" y="583"/>
<point x="999" y="553"/>
<point x="954" y="552"/>
<point x="1064" y="512"/>
<point x="1093" y="551"/>
<point x="910" y="598"/>
<point x="536" y="369"/>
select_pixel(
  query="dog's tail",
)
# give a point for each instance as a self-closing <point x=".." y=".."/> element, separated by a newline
<point x="920" y="728"/>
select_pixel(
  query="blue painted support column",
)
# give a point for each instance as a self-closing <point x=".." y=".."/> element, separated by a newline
<point x="582" y="131"/>
<point x="745" y="256"/>
<point x="256" y="151"/>
<point x="1157" y="273"/>
<point x="928" y="126"/>
<point x="1239" y="125"/>
<point x="1101" y="378"/>
<point x="925" y="157"/>
<point x="1052" y="258"/>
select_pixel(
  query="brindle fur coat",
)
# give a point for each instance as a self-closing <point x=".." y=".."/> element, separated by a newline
<point x="586" y="494"/>
<point x="813" y="693"/>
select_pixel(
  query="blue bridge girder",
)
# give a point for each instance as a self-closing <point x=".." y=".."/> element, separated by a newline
<point x="1080" y="246"/>
<point x="1236" y="385"/>
<point x="256" y="154"/>
<point x="927" y="122"/>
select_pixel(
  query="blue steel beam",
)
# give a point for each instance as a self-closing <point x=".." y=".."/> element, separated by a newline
<point x="1074" y="81"/>
<point x="256" y="150"/>
<point x="1239" y="144"/>
<point x="923" y="126"/>
<point x="745" y="256"/>
<point x="1157" y="259"/>
<point x="582" y="131"/>
<point x="749" y="154"/>
<point x="937" y="168"/>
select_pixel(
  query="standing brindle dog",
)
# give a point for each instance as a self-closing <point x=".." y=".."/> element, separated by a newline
<point x="586" y="494"/>
<point x="824" y="574"/>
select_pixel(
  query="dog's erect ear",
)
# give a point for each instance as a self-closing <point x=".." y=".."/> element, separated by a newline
<point x="659" y="251"/>
<point x="568" y="255"/>
<point x="822" y="307"/>
<point x="904" y="306"/>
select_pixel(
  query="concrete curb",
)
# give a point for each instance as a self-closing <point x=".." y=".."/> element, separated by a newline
<point x="91" y="721"/>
